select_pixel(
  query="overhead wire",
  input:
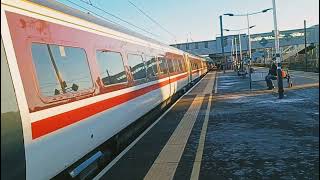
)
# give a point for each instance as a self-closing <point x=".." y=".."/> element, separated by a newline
<point x="152" y="19"/>
<point x="114" y="16"/>
<point x="108" y="20"/>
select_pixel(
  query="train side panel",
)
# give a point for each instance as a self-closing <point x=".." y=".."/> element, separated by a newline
<point x="65" y="127"/>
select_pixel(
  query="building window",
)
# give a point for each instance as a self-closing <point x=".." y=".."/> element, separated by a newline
<point x="178" y="46"/>
<point x="206" y="44"/>
<point x="111" y="67"/>
<point x="61" y="69"/>
<point x="137" y="66"/>
<point x="197" y="45"/>
<point x="152" y="69"/>
<point x="187" y="46"/>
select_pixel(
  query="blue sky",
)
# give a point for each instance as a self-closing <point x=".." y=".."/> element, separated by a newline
<point x="199" y="19"/>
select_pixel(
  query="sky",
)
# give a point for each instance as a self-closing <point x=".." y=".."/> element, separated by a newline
<point x="198" y="20"/>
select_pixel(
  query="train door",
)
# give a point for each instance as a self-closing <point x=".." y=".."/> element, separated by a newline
<point x="12" y="143"/>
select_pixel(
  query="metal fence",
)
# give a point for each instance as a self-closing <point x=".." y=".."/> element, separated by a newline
<point x="257" y="76"/>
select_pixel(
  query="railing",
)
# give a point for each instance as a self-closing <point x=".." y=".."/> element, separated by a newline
<point x="291" y="52"/>
<point x="257" y="76"/>
<point x="298" y="63"/>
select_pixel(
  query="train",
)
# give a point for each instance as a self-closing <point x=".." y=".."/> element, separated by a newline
<point x="71" y="81"/>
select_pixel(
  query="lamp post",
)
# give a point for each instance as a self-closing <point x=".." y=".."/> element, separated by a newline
<point x="277" y="47"/>
<point x="240" y="47"/>
<point x="222" y="46"/>
<point x="305" y="44"/>
<point x="249" y="41"/>
<point x="232" y="49"/>
<point x="236" y="48"/>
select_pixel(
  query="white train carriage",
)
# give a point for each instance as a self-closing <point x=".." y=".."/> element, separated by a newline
<point x="71" y="81"/>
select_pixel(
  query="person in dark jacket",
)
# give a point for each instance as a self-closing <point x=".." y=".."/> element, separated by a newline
<point x="272" y="75"/>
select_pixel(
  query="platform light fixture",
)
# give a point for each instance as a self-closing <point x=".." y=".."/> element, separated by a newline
<point x="239" y="30"/>
<point x="249" y="41"/>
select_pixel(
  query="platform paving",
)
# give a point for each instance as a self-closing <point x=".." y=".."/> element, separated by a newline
<point x="255" y="135"/>
<point x="227" y="131"/>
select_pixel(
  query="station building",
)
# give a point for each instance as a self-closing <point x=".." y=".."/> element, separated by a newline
<point x="292" y="46"/>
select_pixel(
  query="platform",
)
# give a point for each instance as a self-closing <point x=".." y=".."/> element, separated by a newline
<point x="221" y="130"/>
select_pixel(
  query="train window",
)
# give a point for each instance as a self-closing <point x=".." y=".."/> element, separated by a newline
<point x="176" y="65"/>
<point x="137" y="66"/>
<point x="163" y="65"/>
<point x="194" y="66"/>
<point x="181" y="65"/>
<point x="111" y="67"/>
<point x="61" y="69"/>
<point x="175" y="68"/>
<point x="151" y="63"/>
<point x="170" y="65"/>
<point x="184" y="64"/>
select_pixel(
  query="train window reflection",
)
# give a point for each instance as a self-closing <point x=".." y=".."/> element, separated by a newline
<point x="111" y="67"/>
<point x="137" y="66"/>
<point x="61" y="69"/>
<point x="170" y="65"/>
<point x="152" y="69"/>
<point x="163" y="65"/>
<point x="181" y="65"/>
<point x="176" y="65"/>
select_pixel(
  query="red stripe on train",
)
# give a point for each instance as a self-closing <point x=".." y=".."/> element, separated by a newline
<point x="54" y="123"/>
